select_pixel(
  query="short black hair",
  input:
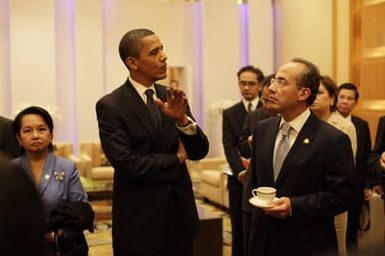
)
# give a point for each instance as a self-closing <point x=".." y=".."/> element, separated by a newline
<point x="250" y="68"/>
<point x="267" y="80"/>
<point x="36" y="110"/>
<point x="130" y="43"/>
<point x="310" y="78"/>
<point x="350" y="86"/>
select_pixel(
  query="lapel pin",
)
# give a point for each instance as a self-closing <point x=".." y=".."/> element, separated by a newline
<point x="46" y="177"/>
<point x="306" y="141"/>
<point x="58" y="175"/>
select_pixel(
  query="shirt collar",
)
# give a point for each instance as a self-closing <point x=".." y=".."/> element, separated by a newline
<point x="348" y="118"/>
<point x="141" y="88"/>
<point x="298" y="122"/>
<point x="254" y="102"/>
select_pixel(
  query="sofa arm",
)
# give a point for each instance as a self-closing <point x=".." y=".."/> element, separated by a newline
<point x="86" y="163"/>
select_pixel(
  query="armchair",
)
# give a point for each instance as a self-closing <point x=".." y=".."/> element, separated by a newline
<point x="213" y="183"/>
<point x="97" y="167"/>
<point x="65" y="149"/>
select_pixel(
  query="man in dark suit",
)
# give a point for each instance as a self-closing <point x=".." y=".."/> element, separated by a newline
<point x="154" y="211"/>
<point x="8" y="142"/>
<point x="244" y="148"/>
<point x="249" y="82"/>
<point x="346" y="101"/>
<point x="308" y="162"/>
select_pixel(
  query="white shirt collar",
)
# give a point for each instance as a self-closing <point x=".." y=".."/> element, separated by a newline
<point x="141" y="89"/>
<point x="298" y="122"/>
<point x="254" y="102"/>
<point x="348" y="118"/>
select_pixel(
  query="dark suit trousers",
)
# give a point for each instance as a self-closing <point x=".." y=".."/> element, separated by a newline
<point x="178" y="242"/>
<point x="246" y="224"/>
<point x="235" y="209"/>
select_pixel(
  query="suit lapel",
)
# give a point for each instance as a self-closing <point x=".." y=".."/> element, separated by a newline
<point x="161" y="94"/>
<point x="300" y="146"/>
<point x="240" y="113"/>
<point x="269" y="145"/>
<point x="48" y="174"/>
<point x="136" y="103"/>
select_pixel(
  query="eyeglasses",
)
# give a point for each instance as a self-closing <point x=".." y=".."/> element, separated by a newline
<point x="279" y="82"/>
<point x="249" y="83"/>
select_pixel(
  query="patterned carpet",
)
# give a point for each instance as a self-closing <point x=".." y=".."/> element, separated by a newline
<point x="100" y="241"/>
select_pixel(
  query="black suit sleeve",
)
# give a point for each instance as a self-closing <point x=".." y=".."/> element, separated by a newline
<point x="230" y="144"/>
<point x="8" y="143"/>
<point x="243" y="145"/>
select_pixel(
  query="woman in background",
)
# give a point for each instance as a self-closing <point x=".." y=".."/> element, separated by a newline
<point x="324" y="106"/>
<point x="57" y="180"/>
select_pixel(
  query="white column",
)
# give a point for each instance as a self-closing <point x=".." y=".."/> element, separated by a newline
<point x="5" y="77"/>
<point x="32" y="53"/>
<point x="65" y="83"/>
<point x="261" y="35"/>
<point x="89" y="73"/>
<point x="306" y="34"/>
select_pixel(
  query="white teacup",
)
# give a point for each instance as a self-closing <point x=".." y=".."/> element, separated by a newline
<point x="265" y="194"/>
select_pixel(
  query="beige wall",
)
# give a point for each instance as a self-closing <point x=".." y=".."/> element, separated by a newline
<point x="64" y="53"/>
<point x="304" y="30"/>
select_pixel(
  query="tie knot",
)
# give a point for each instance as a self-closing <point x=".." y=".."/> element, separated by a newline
<point x="149" y="93"/>
<point x="250" y="107"/>
<point x="285" y="129"/>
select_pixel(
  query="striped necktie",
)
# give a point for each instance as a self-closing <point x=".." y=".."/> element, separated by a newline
<point x="283" y="148"/>
<point x="153" y="108"/>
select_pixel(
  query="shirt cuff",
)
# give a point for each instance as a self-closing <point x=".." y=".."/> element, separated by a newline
<point x="190" y="128"/>
<point x="242" y="172"/>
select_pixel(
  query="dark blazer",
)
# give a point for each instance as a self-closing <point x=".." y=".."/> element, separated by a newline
<point x="316" y="176"/>
<point x="364" y="146"/>
<point x="379" y="147"/>
<point x="233" y="119"/>
<point x="9" y="146"/>
<point x="232" y="123"/>
<point x="244" y="148"/>
<point x="149" y="182"/>
<point x="248" y="128"/>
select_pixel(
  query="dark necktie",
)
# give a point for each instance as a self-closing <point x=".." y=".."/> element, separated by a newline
<point x="283" y="148"/>
<point x="153" y="108"/>
<point x="250" y="107"/>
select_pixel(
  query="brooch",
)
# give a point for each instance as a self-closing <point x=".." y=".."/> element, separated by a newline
<point x="306" y="141"/>
<point x="58" y="176"/>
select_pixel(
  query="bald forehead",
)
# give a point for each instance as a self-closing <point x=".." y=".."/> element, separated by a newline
<point x="290" y="70"/>
<point x="293" y="66"/>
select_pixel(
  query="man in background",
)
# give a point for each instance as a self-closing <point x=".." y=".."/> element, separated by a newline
<point x="307" y="161"/>
<point x="9" y="147"/>
<point x="147" y="133"/>
<point x="347" y="99"/>
<point x="249" y="82"/>
<point x="244" y="148"/>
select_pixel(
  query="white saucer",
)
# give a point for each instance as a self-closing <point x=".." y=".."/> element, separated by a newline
<point x="259" y="203"/>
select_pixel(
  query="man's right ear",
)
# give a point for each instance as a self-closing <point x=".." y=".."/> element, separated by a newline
<point x="131" y="63"/>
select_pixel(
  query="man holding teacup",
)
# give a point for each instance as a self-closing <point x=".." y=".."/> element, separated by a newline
<point x="308" y="162"/>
